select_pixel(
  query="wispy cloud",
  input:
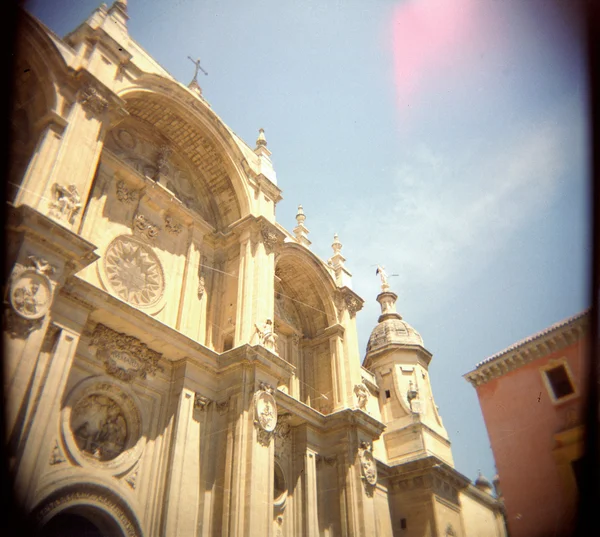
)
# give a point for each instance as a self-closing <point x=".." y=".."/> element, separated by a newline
<point x="451" y="213"/>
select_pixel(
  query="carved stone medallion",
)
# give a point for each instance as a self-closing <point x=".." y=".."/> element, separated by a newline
<point x="124" y="357"/>
<point x="368" y="465"/>
<point x="102" y="427"/>
<point x="99" y="427"/>
<point x="31" y="294"/>
<point x="265" y="413"/>
<point x="134" y="272"/>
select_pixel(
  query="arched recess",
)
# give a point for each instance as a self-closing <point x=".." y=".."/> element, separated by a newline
<point x="304" y="309"/>
<point x="101" y="508"/>
<point x="37" y="69"/>
<point x="191" y="128"/>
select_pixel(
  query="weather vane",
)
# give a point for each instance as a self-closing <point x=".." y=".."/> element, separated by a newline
<point x="198" y="67"/>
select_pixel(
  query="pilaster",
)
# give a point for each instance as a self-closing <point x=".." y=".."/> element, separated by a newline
<point x="45" y="257"/>
<point x="183" y="487"/>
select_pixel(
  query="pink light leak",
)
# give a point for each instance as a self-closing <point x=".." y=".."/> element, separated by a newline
<point x="428" y="35"/>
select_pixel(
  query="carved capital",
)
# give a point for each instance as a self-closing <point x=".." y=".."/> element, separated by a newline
<point x="348" y="300"/>
<point x="201" y="403"/>
<point x="92" y="100"/>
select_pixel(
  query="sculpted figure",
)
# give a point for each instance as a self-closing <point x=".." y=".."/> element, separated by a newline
<point x="362" y="394"/>
<point x="266" y="335"/>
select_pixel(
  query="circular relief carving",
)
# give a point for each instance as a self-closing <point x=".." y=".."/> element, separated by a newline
<point x="125" y="139"/>
<point x="266" y="411"/>
<point x="102" y="426"/>
<point x="99" y="427"/>
<point x="31" y="294"/>
<point x="134" y="272"/>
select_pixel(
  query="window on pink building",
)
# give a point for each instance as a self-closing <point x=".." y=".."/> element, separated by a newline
<point x="560" y="382"/>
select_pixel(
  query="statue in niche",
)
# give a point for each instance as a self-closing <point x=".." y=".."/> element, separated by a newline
<point x="266" y="335"/>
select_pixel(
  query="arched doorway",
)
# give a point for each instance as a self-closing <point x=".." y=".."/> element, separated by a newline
<point x="81" y="521"/>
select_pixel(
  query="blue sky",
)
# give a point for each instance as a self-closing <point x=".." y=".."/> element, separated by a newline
<point x="444" y="139"/>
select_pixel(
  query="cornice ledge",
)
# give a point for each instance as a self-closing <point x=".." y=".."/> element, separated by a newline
<point x="77" y="251"/>
<point x="551" y="340"/>
<point x="256" y="355"/>
<point x="356" y="418"/>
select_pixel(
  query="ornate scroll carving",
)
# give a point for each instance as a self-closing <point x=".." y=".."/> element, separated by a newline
<point x="265" y="413"/>
<point x="144" y="228"/>
<point x="175" y="228"/>
<point x="66" y="204"/>
<point x="91" y="99"/>
<point x="200" y="402"/>
<point x="362" y="395"/>
<point x="368" y="467"/>
<point x="134" y="272"/>
<point x="126" y="195"/>
<point x="124" y="357"/>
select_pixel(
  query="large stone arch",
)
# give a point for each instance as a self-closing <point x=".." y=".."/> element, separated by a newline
<point x="309" y="286"/>
<point x="94" y="502"/>
<point x="190" y="126"/>
<point x="304" y="311"/>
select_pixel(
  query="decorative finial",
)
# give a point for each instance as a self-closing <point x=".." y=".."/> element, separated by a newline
<point x="337" y="245"/>
<point x="300" y="230"/>
<point x="337" y="260"/>
<point x="261" y="140"/>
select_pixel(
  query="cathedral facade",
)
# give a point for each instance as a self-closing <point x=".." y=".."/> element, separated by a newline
<point x="178" y="363"/>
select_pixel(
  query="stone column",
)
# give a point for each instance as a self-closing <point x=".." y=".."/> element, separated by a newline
<point x="183" y="486"/>
<point x="248" y="510"/>
<point x="348" y="363"/>
<point x="356" y="499"/>
<point x="191" y="318"/>
<point x="244" y="326"/>
<point x="256" y="278"/>
<point x="341" y="387"/>
<point x="311" y="515"/>
<point x="295" y="357"/>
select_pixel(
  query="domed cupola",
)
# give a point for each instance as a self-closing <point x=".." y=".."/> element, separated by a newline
<point x="391" y="329"/>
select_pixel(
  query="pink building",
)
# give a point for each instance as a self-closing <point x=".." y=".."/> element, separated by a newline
<point x="531" y="398"/>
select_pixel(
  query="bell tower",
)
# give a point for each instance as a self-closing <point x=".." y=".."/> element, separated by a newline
<point x="400" y="362"/>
